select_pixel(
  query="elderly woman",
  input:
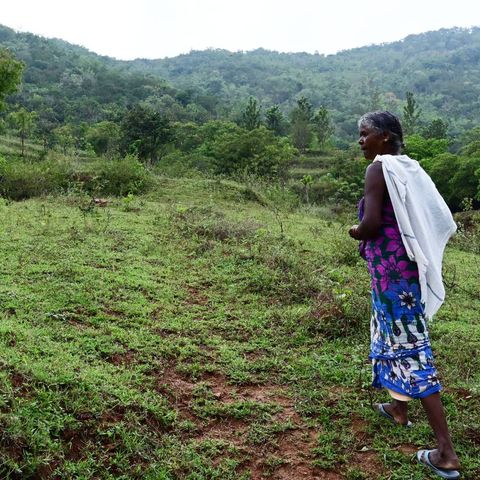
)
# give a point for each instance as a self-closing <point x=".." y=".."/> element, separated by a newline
<point x="404" y="227"/>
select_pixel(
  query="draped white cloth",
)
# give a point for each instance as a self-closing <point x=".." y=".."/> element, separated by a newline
<point x="424" y="220"/>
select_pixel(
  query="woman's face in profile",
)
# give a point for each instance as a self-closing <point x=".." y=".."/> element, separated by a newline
<point x="372" y="141"/>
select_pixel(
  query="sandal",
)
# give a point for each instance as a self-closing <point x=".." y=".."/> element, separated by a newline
<point x="380" y="408"/>
<point x="423" y="457"/>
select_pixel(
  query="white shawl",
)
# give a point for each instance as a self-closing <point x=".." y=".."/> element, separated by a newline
<point x="424" y="220"/>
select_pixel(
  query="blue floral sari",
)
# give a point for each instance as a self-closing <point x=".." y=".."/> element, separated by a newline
<point x="401" y="356"/>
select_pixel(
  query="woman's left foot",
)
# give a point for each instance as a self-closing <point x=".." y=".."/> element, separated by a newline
<point x="393" y="414"/>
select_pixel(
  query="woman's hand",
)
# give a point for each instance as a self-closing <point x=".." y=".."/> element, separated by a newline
<point x="353" y="232"/>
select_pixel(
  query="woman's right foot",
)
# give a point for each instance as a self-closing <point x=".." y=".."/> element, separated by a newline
<point x="446" y="461"/>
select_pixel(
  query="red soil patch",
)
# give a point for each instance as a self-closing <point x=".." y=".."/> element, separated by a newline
<point x="178" y="391"/>
<point x="196" y="297"/>
<point x="20" y="384"/>
<point x="124" y="358"/>
<point x="77" y="441"/>
<point x="113" y="313"/>
<point x="359" y="430"/>
<point x="230" y="430"/>
<point x="368" y="463"/>
<point x="293" y="446"/>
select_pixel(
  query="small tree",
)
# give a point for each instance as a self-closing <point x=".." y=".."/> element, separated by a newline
<point x="144" y="132"/>
<point x="437" y="128"/>
<point x="104" y="137"/>
<point x="251" y="115"/>
<point x="46" y="123"/>
<point x="303" y="110"/>
<point x="10" y="74"/>
<point x="24" y="124"/>
<point x="275" y="121"/>
<point x="301" y="130"/>
<point x="323" y="126"/>
<point x="307" y="181"/>
<point x="64" y="137"/>
<point x="411" y="114"/>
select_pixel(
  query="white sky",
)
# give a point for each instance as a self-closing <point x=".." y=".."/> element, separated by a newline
<point x="128" y="29"/>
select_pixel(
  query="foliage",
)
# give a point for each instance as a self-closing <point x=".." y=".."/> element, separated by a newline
<point x="421" y="148"/>
<point x="301" y="116"/>
<point x="455" y="177"/>
<point x="104" y="137"/>
<point x="24" y="123"/>
<point x="64" y="137"/>
<point x="437" y="128"/>
<point x="75" y="85"/>
<point x="21" y="179"/>
<point x="121" y="176"/>
<point x="322" y="126"/>
<point x="411" y="114"/>
<point x="251" y="115"/>
<point x="471" y="142"/>
<point x="256" y="152"/>
<point x="145" y="132"/>
<point x="275" y="121"/>
<point x="10" y="74"/>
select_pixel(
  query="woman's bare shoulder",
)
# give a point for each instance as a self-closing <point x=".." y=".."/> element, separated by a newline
<point x="374" y="169"/>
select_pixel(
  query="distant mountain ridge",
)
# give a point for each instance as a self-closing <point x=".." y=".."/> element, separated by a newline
<point x="441" y="68"/>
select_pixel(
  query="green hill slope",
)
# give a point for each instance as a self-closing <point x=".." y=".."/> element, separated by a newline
<point x="179" y="335"/>
<point x="440" y="67"/>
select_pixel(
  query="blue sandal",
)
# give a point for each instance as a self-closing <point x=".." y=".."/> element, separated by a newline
<point x="380" y="408"/>
<point x="423" y="457"/>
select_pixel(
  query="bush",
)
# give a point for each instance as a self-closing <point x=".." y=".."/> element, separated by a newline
<point x="329" y="189"/>
<point x="123" y="176"/>
<point x="112" y="177"/>
<point x="257" y="152"/>
<point x="21" y="179"/>
<point x="468" y="234"/>
<point x="179" y="164"/>
<point x="206" y="223"/>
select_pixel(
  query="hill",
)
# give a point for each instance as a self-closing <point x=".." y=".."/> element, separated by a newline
<point x="180" y="335"/>
<point x="440" y="67"/>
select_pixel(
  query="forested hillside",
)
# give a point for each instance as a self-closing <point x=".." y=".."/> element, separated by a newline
<point x="278" y="116"/>
<point x="441" y="68"/>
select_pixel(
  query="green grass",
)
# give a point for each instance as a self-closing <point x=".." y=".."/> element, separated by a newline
<point x="179" y="335"/>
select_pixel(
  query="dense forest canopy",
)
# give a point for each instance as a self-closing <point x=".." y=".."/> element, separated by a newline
<point x="441" y="68"/>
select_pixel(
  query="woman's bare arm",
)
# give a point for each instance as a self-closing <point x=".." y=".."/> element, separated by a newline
<point x="375" y="189"/>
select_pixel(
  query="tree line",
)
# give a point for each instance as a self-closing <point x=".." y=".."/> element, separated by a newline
<point x="255" y="139"/>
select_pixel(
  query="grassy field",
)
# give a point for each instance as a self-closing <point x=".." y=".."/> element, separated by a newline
<point x="180" y="335"/>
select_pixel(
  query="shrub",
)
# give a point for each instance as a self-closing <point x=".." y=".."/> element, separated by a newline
<point x="123" y="176"/>
<point x="338" y="312"/>
<point x="179" y="164"/>
<point x="330" y="189"/>
<point x="256" y="152"/>
<point x="207" y="223"/>
<point x="21" y="179"/>
<point x="468" y="234"/>
<point x="113" y="177"/>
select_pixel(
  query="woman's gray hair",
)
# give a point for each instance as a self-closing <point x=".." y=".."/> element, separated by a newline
<point x="384" y="122"/>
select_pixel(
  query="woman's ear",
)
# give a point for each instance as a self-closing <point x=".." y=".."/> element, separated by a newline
<point x="386" y="136"/>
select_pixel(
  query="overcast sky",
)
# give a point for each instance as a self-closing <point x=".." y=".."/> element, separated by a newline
<point x="128" y="29"/>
